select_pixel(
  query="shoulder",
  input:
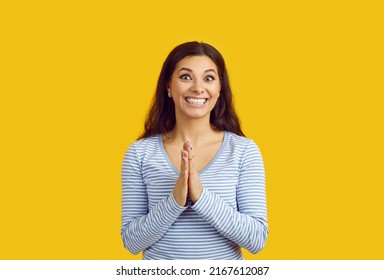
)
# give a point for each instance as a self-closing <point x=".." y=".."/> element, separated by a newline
<point x="145" y="143"/>
<point x="244" y="148"/>
<point x="141" y="147"/>
<point x="240" y="142"/>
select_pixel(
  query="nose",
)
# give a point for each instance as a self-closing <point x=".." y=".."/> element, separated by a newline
<point x="198" y="87"/>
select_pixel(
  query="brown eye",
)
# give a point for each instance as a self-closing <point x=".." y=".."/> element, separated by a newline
<point x="209" y="78"/>
<point x="185" y="77"/>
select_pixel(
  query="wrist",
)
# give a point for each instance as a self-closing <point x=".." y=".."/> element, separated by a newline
<point x="180" y="199"/>
<point x="196" y="195"/>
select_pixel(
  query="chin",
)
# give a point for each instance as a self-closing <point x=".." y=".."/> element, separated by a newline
<point x="198" y="115"/>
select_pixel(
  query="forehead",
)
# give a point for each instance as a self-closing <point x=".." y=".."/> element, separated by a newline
<point x="196" y="63"/>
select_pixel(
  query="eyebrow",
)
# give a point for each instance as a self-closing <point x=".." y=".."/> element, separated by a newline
<point x="189" y="70"/>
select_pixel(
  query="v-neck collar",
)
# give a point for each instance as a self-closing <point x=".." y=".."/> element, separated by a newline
<point x="165" y="155"/>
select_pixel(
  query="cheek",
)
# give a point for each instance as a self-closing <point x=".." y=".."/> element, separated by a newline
<point x="215" y="89"/>
<point x="216" y="93"/>
<point x="214" y="100"/>
<point x="180" y="87"/>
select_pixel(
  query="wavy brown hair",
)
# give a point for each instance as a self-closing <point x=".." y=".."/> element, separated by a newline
<point x="161" y="117"/>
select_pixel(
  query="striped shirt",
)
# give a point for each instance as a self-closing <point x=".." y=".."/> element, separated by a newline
<point x="230" y="213"/>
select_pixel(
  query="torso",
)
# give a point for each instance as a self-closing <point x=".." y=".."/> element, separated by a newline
<point x="156" y="179"/>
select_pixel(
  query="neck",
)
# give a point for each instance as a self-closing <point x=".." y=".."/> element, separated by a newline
<point x="194" y="130"/>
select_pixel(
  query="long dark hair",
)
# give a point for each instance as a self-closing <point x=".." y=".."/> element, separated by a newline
<point x="161" y="117"/>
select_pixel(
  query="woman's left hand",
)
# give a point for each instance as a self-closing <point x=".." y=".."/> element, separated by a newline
<point x="195" y="187"/>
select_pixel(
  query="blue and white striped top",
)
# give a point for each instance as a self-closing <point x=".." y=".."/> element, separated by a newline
<point x="230" y="213"/>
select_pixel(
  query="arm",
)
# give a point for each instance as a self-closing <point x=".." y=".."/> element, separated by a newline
<point x="248" y="226"/>
<point x="142" y="227"/>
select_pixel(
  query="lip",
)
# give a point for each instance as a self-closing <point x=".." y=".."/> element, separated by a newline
<point x="196" y="105"/>
<point x="195" y="97"/>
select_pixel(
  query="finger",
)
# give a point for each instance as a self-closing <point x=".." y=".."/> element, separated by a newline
<point x="187" y="146"/>
<point x="191" y="165"/>
<point x="185" y="178"/>
<point x="190" y="154"/>
<point x="187" y="149"/>
<point x="184" y="168"/>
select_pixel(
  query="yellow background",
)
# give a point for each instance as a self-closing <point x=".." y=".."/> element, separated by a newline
<point x="76" y="79"/>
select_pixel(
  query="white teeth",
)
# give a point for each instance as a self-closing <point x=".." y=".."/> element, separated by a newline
<point x="197" y="101"/>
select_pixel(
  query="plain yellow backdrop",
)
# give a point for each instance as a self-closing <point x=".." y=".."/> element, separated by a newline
<point x="76" y="80"/>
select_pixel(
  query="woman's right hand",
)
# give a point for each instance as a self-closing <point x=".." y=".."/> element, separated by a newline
<point x="180" y="191"/>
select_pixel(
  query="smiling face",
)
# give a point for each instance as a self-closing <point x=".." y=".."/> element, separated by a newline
<point x="195" y="87"/>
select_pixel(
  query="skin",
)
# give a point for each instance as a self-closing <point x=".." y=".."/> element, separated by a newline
<point x="194" y="77"/>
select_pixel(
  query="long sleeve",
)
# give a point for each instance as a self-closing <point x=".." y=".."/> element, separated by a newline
<point x="141" y="226"/>
<point x="247" y="225"/>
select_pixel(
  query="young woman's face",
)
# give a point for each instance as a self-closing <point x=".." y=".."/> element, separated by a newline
<point x="195" y="86"/>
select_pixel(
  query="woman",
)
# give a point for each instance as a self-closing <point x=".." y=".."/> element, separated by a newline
<point x="193" y="185"/>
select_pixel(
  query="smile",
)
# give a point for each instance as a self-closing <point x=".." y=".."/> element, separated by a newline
<point x="196" y="101"/>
